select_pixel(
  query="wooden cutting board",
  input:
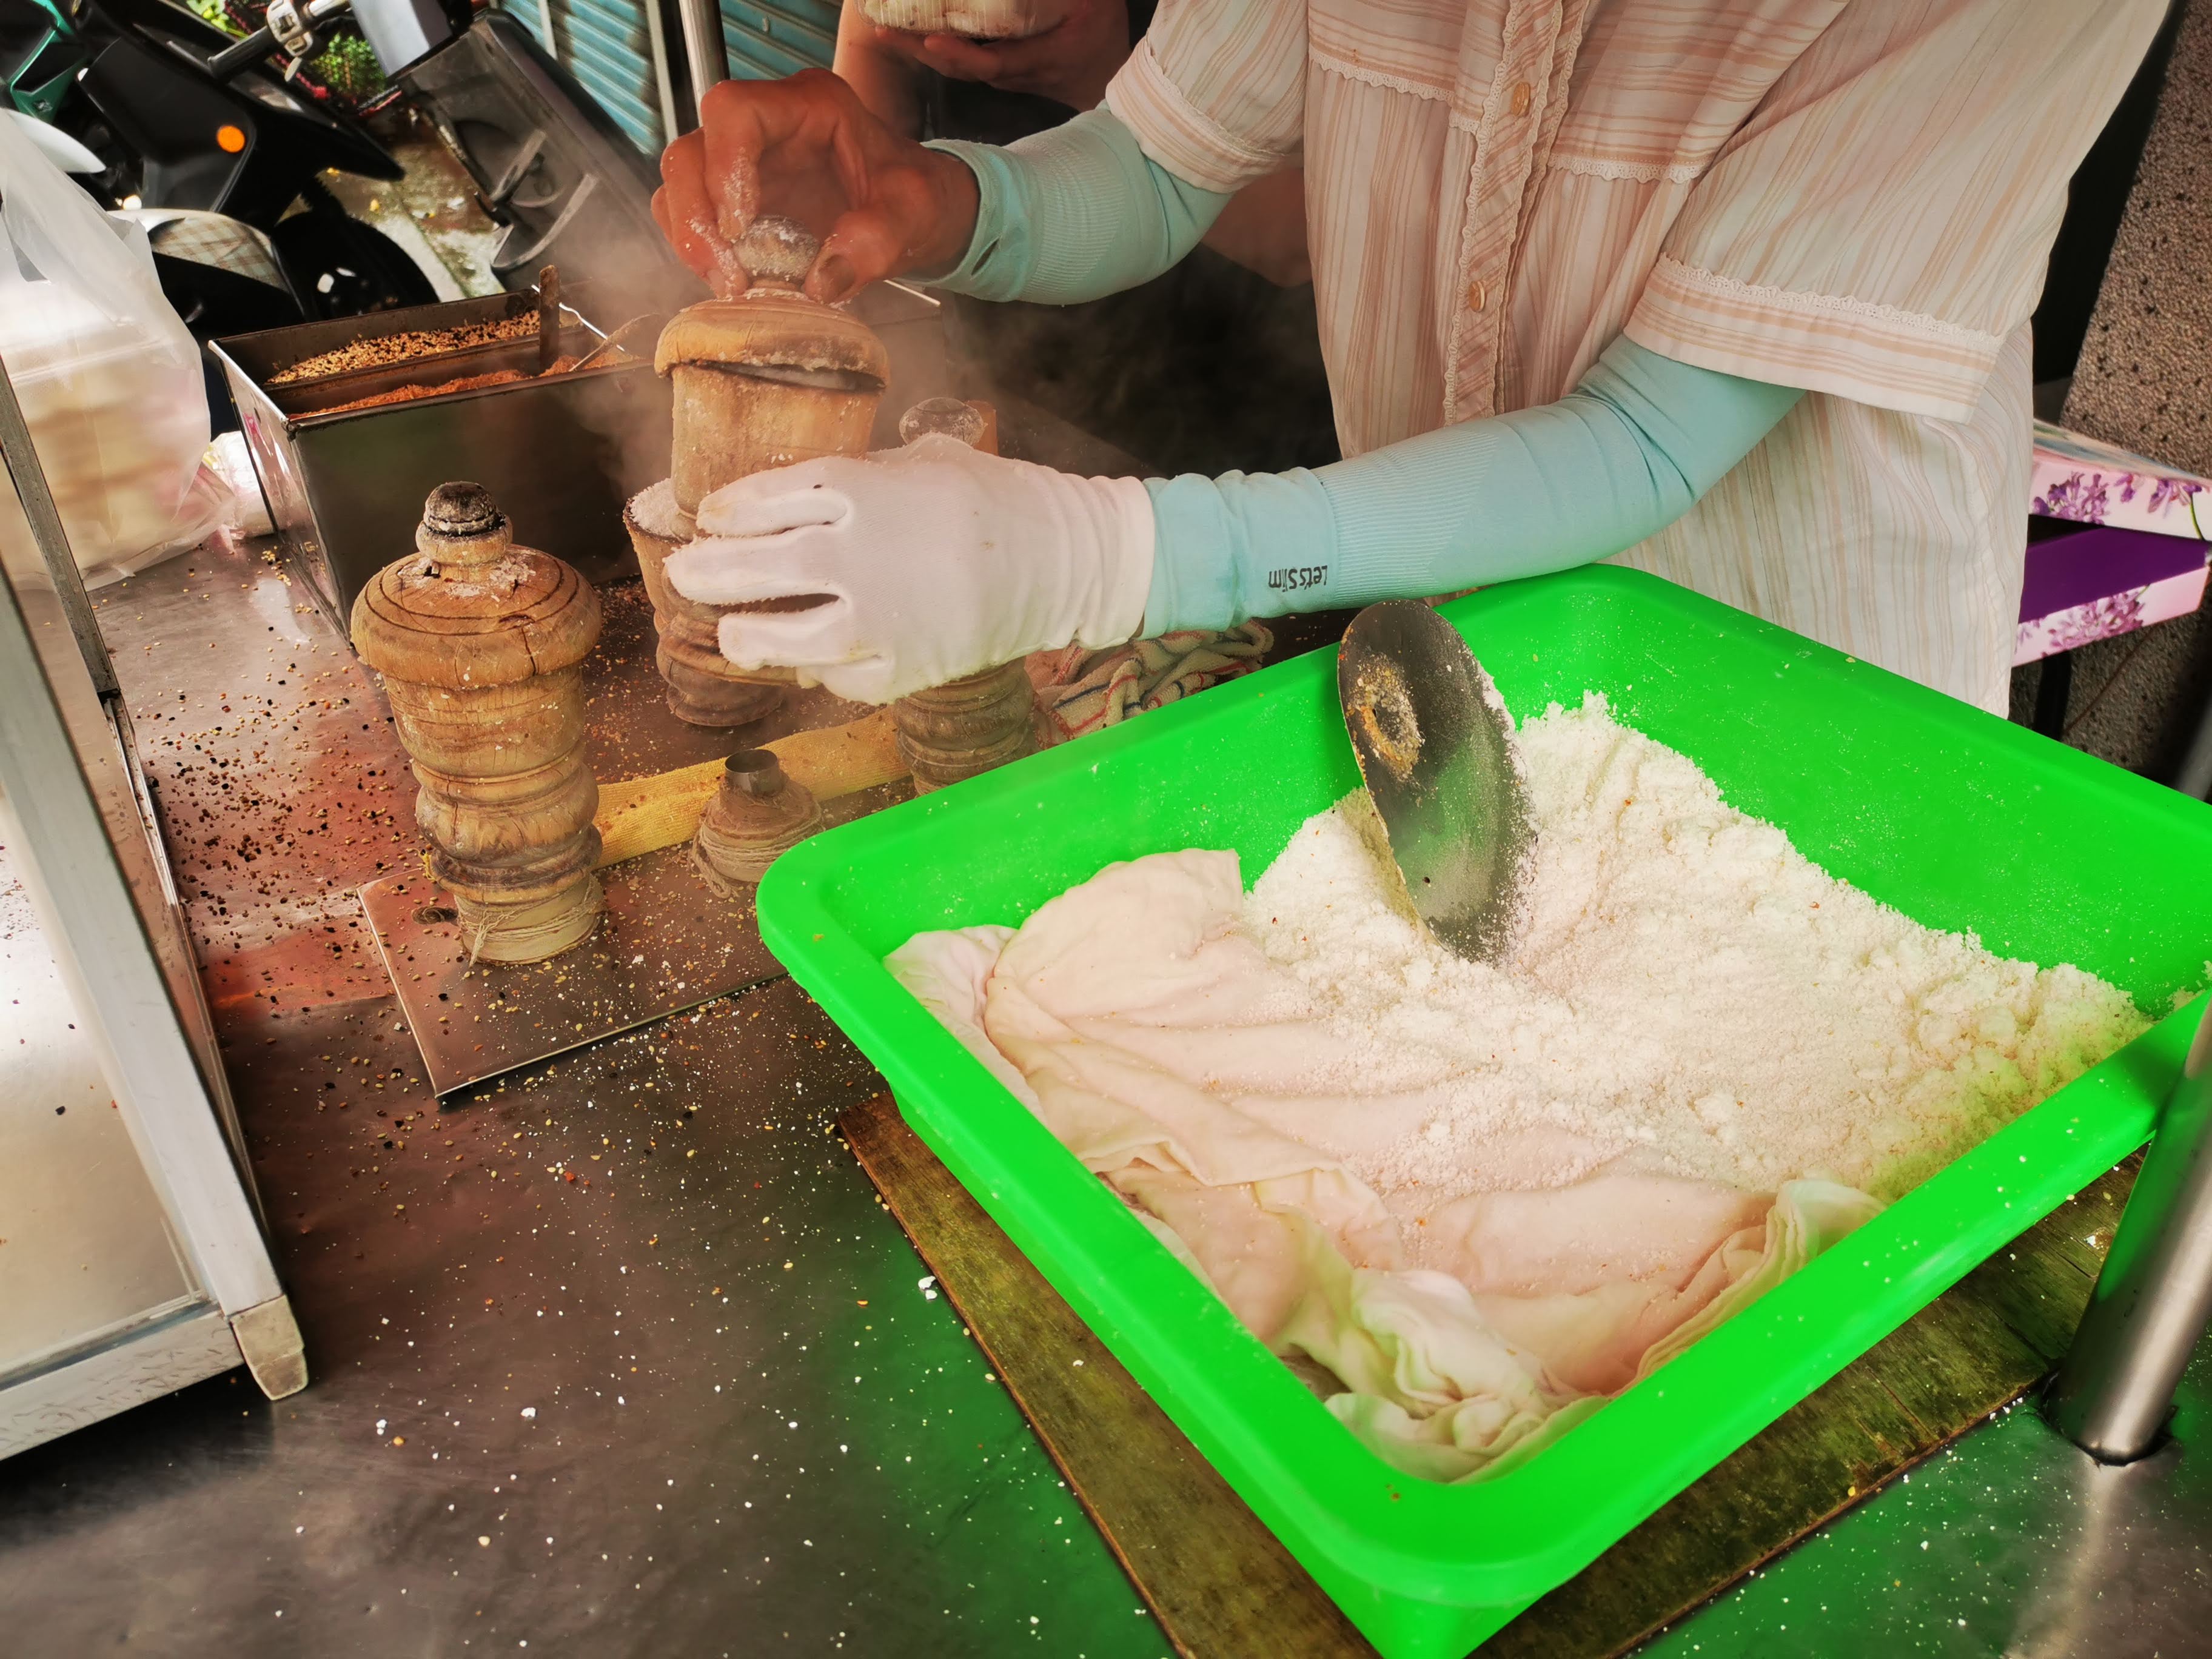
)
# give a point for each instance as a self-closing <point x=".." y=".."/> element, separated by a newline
<point x="1223" y="1588"/>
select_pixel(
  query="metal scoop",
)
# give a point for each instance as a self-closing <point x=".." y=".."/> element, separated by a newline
<point x="1435" y="748"/>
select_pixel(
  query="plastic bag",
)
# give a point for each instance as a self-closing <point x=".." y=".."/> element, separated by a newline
<point x="243" y="508"/>
<point x="108" y="375"/>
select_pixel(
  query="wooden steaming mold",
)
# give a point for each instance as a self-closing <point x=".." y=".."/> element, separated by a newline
<point x="756" y="815"/>
<point x="480" y="644"/>
<point x="762" y="380"/>
<point x="642" y="815"/>
<point x="967" y="725"/>
<point x="705" y="688"/>
<point x="769" y="377"/>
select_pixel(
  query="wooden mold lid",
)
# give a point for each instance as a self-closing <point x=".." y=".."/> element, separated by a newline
<point x="773" y="328"/>
<point x="470" y="609"/>
<point x="773" y="325"/>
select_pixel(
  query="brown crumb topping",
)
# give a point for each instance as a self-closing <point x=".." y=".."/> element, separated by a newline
<point x="405" y="348"/>
<point x="403" y="394"/>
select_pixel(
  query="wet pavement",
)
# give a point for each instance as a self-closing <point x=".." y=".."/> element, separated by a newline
<point x="432" y="212"/>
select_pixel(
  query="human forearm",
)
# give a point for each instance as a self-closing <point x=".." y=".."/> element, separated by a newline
<point x="1621" y="457"/>
<point x="886" y="81"/>
<point x="1073" y="214"/>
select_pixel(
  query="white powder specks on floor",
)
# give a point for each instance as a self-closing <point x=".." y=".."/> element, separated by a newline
<point x="1692" y="994"/>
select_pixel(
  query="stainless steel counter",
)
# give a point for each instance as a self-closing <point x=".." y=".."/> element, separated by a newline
<point x="91" y="1251"/>
<point x="2011" y="1543"/>
<point x="620" y="1354"/>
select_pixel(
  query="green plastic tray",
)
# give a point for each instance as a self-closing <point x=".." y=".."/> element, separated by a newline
<point x="1958" y="818"/>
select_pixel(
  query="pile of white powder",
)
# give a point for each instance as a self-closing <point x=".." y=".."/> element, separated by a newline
<point x="1691" y="993"/>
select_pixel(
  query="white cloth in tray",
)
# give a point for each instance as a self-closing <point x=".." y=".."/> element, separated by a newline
<point x="1155" y="1039"/>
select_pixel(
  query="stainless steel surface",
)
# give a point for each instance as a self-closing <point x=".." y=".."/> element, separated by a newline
<point x="2011" y="1542"/>
<point x="38" y="566"/>
<point x="87" y="1248"/>
<point x="2151" y="1302"/>
<point x="141" y="1216"/>
<point x="552" y="168"/>
<point x="1437" y="754"/>
<point x="345" y="488"/>
<point x="664" y="944"/>
<point x="444" y="1288"/>
<point x="170" y="1348"/>
<point x="324" y="392"/>
<point x="614" y="1363"/>
<point x="91" y="865"/>
<point x="674" y="118"/>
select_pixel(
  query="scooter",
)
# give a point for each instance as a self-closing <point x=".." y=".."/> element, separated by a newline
<point x="189" y="121"/>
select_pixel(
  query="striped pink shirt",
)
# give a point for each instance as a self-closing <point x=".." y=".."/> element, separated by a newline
<point x="1855" y="196"/>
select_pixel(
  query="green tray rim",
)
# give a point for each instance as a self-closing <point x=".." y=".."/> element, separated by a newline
<point x="1348" y="1516"/>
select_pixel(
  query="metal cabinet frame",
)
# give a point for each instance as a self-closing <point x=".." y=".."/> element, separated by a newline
<point x="100" y="875"/>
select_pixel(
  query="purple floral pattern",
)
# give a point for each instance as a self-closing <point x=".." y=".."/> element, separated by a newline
<point x="2092" y="483"/>
<point x="2167" y="491"/>
<point x="2080" y="624"/>
<point x="2081" y="496"/>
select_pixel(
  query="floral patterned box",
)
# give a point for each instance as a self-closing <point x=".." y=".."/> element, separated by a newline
<point x="2087" y="582"/>
<point x="2116" y="544"/>
<point x="2080" y="478"/>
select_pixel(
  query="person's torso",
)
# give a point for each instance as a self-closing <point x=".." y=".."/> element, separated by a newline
<point x="1489" y="186"/>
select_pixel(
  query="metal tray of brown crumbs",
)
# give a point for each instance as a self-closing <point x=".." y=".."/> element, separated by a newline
<point x="516" y="319"/>
<point x="451" y="375"/>
<point x="561" y="453"/>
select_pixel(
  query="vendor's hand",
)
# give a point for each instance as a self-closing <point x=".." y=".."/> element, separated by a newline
<point x="1070" y="63"/>
<point x="805" y="148"/>
<point x="936" y="561"/>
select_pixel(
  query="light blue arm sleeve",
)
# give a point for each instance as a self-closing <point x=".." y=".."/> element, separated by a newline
<point x="1074" y="213"/>
<point x="1622" y="456"/>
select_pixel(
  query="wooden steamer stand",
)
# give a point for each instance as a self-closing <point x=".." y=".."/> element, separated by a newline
<point x="762" y="380"/>
<point x="965" y="727"/>
<point x="481" y="644"/>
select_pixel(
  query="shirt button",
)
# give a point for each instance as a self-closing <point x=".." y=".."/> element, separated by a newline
<point x="1476" y="295"/>
<point x="1521" y="95"/>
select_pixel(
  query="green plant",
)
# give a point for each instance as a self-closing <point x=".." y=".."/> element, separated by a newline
<point x="348" y="69"/>
<point x="214" y="12"/>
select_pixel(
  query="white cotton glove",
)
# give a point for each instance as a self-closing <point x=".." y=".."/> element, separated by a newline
<point x="938" y="561"/>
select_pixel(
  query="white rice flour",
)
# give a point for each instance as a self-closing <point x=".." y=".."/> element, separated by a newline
<point x="1472" y="1201"/>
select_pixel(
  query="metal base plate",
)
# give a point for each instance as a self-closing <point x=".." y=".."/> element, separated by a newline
<point x="666" y="944"/>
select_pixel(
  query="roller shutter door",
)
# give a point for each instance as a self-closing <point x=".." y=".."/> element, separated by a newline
<point x="605" y="43"/>
<point x="771" y="38"/>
